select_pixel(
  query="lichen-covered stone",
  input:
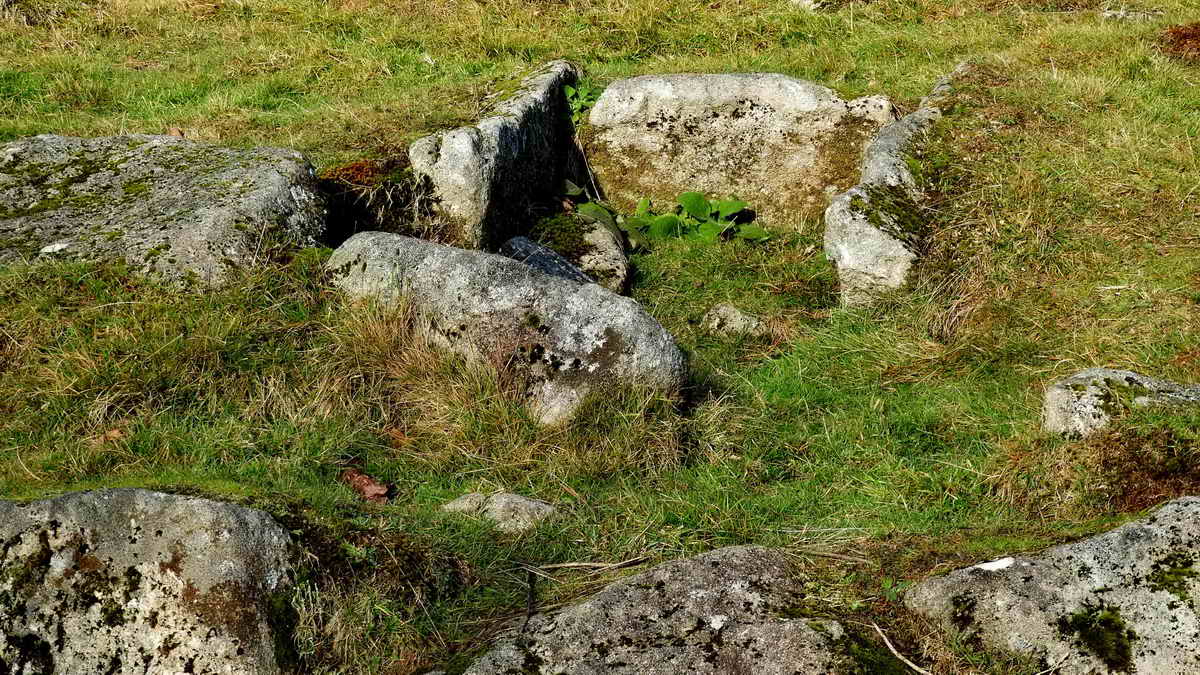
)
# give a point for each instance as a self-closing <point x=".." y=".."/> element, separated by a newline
<point x="725" y="319"/>
<point x="543" y="259"/>
<point x="781" y="144"/>
<point x="874" y="231"/>
<point x="605" y="259"/>
<point x="717" y="613"/>
<point x="158" y="202"/>
<point x="486" y="177"/>
<point x="133" y="581"/>
<point x="511" y="512"/>
<point x="569" y="339"/>
<point x="1120" y="602"/>
<point x="1079" y="405"/>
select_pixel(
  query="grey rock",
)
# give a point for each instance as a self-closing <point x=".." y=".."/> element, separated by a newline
<point x="568" y="339"/>
<point x="159" y="202"/>
<point x="715" y="613"/>
<point x="133" y="581"/>
<point x="874" y="230"/>
<point x="511" y="512"/>
<point x="1118" y="602"/>
<point x="485" y="177"/>
<point x="605" y="259"/>
<point x="1131" y="15"/>
<point x="1079" y="405"/>
<point x="725" y="319"/>
<point x="781" y="144"/>
<point x="543" y="259"/>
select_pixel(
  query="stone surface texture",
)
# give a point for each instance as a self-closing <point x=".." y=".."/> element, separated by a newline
<point x="511" y="512"/>
<point x="543" y="259"/>
<point x="159" y="202"/>
<point x="715" y="613"/>
<point x="605" y="259"/>
<point x="1082" y="404"/>
<point x="133" y="581"/>
<point x="486" y="177"/>
<point x="874" y="230"/>
<point x="569" y="339"/>
<point x="781" y="144"/>
<point x="725" y="319"/>
<point x="1120" y="602"/>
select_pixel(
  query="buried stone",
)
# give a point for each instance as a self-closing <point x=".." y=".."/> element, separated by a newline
<point x="511" y="512"/>
<point x="159" y="203"/>
<point x="1120" y="602"/>
<point x="1082" y="404"/>
<point x="133" y="581"/>
<point x="566" y="338"/>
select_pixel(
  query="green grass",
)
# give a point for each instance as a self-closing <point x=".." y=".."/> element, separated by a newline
<point x="891" y="442"/>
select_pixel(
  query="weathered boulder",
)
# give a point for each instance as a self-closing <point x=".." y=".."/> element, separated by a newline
<point x="159" y="202"/>
<point x="1120" y="602"/>
<point x="721" y="612"/>
<point x="725" y="319"/>
<point x="874" y="231"/>
<point x="781" y="144"/>
<point x="1079" y="405"/>
<point x="133" y="581"/>
<point x="567" y="338"/>
<point x="511" y="512"/>
<point x="543" y="259"/>
<point x="603" y="257"/>
<point x="486" y="177"/>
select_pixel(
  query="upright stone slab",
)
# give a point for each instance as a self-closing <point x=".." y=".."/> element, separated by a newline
<point x="133" y="581"/>
<point x="719" y="613"/>
<point x="874" y="232"/>
<point x="781" y="144"/>
<point x="486" y="177"/>
<point x="1121" y="602"/>
<point x="568" y="338"/>
<point x="158" y="202"/>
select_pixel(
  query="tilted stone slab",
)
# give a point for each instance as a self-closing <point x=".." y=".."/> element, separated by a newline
<point x="783" y="145"/>
<point x="569" y="338"/>
<point x="874" y="231"/>
<point x="1082" y="404"/>
<point x="717" y="613"/>
<point x="486" y="177"/>
<point x="1120" y="602"/>
<point x="133" y="581"/>
<point x="543" y="259"/>
<point x="158" y="202"/>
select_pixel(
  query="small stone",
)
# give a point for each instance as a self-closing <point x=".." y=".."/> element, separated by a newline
<point x="1082" y="404"/>
<point x="1131" y="15"/>
<point x="725" y="319"/>
<point x="543" y="259"/>
<point x="1120" y="602"/>
<point x="511" y="512"/>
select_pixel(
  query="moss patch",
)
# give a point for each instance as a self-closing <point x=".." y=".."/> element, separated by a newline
<point x="564" y="234"/>
<point x="1173" y="574"/>
<point x="1103" y="632"/>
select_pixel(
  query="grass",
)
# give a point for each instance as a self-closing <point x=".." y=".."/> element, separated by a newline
<point x="891" y="442"/>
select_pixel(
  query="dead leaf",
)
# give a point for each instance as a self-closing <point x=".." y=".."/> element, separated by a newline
<point x="367" y="487"/>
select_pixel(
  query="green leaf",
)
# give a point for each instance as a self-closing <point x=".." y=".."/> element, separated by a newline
<point x="570" y="189"/>
<point x="726" y="208"/>
<point x="667" y="225"/>
<point x="696" y="205"/>
<point x="709" y="232"/>
<point x="641" y="223"/>
<point x="571" y="91"/>
<point x="594" y="213"/>
<point x="752" y="233"/>
<point x="643" y="207"/>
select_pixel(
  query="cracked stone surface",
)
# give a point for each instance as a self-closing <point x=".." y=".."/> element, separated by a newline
<point x="511" y="512"/>
<point x="160" y="203"/>
<point x="569" y="339"/>
<point x="1120" y="602"/>
<point x="719" y="612"/>
<point x="783" y="145"/>
<point x="134" y="581"/>
<point x="1082" y="404"/>
<point x="485" y="177"/>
